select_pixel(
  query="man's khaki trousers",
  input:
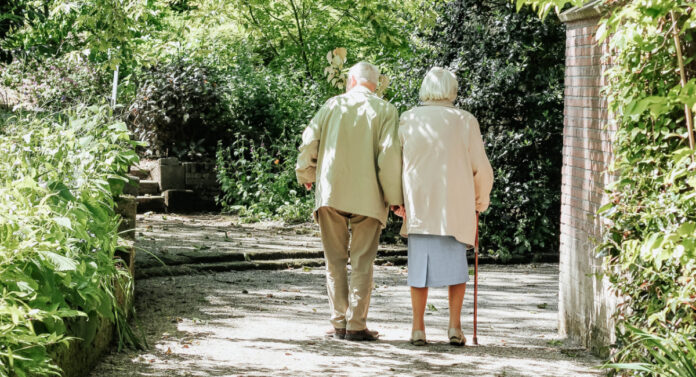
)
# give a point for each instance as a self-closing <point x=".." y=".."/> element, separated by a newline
<point x="349" y="303"/>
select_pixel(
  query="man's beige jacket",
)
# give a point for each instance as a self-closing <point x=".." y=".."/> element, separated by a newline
<point x="447" y="176"/>
<point x="351" y="150"/>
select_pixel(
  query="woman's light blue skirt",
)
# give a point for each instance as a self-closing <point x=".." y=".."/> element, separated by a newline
<point x="436" y="261"/>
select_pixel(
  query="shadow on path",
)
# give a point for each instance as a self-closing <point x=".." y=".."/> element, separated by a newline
<point x="262" y="323"/>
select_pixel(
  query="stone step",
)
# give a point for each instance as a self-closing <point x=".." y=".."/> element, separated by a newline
<point x="178" y="200"/>
<point x="294" y="259"/>
<point x="131" y="188"/>
<point x="148" y="187"/>
<point x="140" y="173"/>
<point x="202" y="257"/>
<point x="153" y="203"/>
<point x="279" y="264"/>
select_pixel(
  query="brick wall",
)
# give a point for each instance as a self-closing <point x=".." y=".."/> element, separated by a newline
<point x="585" y="305"/>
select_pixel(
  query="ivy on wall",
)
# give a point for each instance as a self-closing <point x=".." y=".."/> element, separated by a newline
<point x="649" y="241"/>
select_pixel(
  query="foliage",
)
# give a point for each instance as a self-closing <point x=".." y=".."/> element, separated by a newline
<point x="543" y="7"/>
<point x="650" y="221"/>
<point x="650" y="235"/>
<point x="510" y="69"/>
<point x="13" y="15"/>
<point x="58" y="232"/>
<point x="55" y="83"/>
<point x="335" y="72"/>
<point x="676" y="355"/>
<point x="297" y="33"/>
<point x="179" y="103"/>
<point x="259" y="182"/>
<point x="256" y="167"/>
<point x="107" y="30"/>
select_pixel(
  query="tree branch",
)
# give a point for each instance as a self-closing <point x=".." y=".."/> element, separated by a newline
<point x="303" y="49"/>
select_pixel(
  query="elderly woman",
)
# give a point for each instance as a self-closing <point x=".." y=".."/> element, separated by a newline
<point x="447" y="180"/>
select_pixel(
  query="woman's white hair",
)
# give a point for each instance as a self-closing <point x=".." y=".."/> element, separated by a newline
<point x="364" y="72"/>
<point x="439" y="84"/>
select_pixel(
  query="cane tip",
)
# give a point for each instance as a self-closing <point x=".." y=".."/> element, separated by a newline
<point x="475" y="341"/>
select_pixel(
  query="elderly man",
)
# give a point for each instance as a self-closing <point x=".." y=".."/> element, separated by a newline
<point x="351" y="149"/>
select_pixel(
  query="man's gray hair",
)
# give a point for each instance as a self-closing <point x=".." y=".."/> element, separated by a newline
<point x="364" y="72"/>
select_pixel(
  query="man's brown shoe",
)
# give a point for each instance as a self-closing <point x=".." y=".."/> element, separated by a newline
<point x="337" y="333"/>
<point x="362" y="335"/>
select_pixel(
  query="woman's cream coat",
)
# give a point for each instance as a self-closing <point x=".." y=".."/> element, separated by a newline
<point x="447" y="177"/>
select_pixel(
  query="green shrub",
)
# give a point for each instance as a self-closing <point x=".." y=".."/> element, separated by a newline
<point x="665" y="357"/>
<point x="650" y="234"/>
<point x="259" y="182"/>
<point x="268" y="114"/>
<point x="56" y="83"/>
<point x="180" y="110"/>
<point x="59" y="232"/>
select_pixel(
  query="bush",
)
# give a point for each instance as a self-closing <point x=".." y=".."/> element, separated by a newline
<point x="649" y="238"/>
<point x="58" y="233"/>
<point x="259" y="182"/>
<point x="269" y="112"/>
<point x="180" y="109"/>
<point x="56" y="83"/>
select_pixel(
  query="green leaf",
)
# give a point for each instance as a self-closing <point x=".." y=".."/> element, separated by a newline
<point x="60" y="262"/>
<point x="64" y="222"/>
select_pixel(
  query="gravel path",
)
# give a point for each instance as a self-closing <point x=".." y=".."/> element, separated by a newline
<point x="272" y="323"/>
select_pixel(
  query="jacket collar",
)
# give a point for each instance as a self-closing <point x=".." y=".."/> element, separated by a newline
<point x="443" y="102"/>
<point x="361" y="89"/>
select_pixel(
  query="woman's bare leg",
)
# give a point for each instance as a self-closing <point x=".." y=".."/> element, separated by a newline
<point x="456" y="298"/>
<point x="419" y="296"/>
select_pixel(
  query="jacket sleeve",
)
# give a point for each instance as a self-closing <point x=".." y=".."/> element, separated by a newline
<point x="389" y="159"/>
<point x="483" y="172"/>
<point x="306" y="167"/>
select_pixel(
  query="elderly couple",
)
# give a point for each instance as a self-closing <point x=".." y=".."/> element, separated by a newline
<point x="429" y="166"/>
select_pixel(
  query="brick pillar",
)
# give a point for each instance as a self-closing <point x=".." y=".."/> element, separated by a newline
<point x="585" y="304"/>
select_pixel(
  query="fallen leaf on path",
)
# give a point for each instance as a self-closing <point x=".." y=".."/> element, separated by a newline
<point x="270" y="295"/>
<point x="186" y="346"/>
<point x="542" y="306"/>
<point x="169" y="351"/>
<point x="287" y="354"/>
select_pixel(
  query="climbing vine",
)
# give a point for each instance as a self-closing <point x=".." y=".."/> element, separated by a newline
<point x="650" y="219"/>
<point x="650" y="238"/>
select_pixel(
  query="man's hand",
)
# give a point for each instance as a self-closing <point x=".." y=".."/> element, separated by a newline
<point x="399" y="210"/>
<point x="308" y="186"/>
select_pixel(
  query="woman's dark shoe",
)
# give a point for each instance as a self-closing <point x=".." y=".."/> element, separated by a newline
<point x="456" y="337"/>
<point x="418" y="338"/>
<point x="362" y="335"/>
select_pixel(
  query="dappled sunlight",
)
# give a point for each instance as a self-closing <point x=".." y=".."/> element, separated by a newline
<point x="274" y="322"/>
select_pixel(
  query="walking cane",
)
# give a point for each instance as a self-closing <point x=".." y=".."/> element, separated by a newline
<point x="476" y="252"/>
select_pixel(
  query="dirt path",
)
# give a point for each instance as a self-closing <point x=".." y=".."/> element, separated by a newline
<point x="264" y="323"/>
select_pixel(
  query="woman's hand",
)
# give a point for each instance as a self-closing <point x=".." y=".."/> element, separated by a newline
<point x="399" y="210"/>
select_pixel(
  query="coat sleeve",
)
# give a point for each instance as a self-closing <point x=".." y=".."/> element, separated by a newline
<point x="306" y="167"/>
<point x="389" y="159"/>
<point x="483" y="172"/>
